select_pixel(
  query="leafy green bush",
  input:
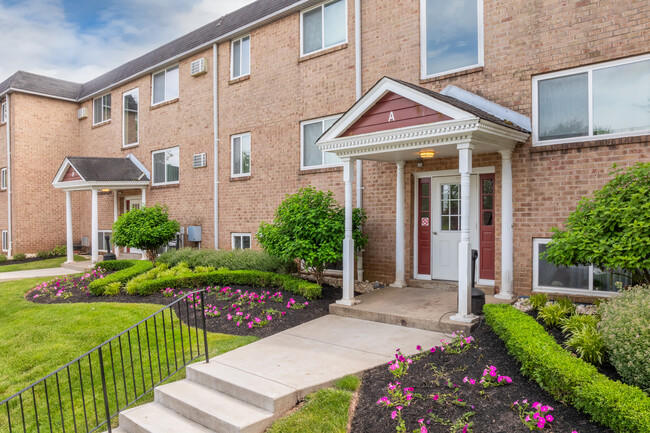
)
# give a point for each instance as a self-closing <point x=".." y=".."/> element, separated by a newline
<point x="3" y="258"/>
<point x="146" y="228"/>
<point x="161" y="270"/>
<point x="44" y="254"/>
<point x="60" y="250"/>
<point x="236" y="260"/>
<point x="625" y="327"/>
<point x="113" y="289"/>
<point x="567" y="304"/>
<point x="20" y="257"/>
<point x="572" y="323"/>
<point x="538" y="301"/>
<point x="621" y="407"/>
<point x="124" y="271"/>
<point x="221" y="278"/>
<point x="553" y="314"/>
<point x="587" y="342"/>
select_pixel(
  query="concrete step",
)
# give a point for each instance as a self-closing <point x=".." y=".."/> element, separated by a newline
<point x="445" y="286"/>
<point x="83" y="266"/>
<point x="258" y="391"/>
<point x="212" y="409"/>
<point x="154" y="418"/>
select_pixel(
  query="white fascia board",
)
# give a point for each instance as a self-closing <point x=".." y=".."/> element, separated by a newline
<point x="44" y="95"/>
<point x="138" y="164"/>
<point x="86" y="186"/>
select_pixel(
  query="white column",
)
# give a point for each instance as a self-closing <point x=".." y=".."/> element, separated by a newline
<point x="68" y="226"/>
<point x="94" y="227"/>
<point x="507" y="267"/>
<point x="348" y="241"/>
<point x="116" y="250"/>
<point x="464" y="248"/>
<point x="144" y="196"/>
<point x="399" y="228"/>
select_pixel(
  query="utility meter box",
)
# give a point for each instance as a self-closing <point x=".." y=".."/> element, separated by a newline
<point x="194" y="233"/>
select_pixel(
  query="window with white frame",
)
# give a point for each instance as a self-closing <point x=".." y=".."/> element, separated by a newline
<point x="130" y="118"/>
<point x="102" y="244"/>
<point x="102" y="109"/>
<point x="241" y="241"/>
<point x="5" y="240"/>
<point x="3" y="178"/>
<point x="166" y="166"/>
<point x="165" y="85"/>
<point x="573" y="279"/>
<point x="4" y="112"/>
<point x="312" y="155"/>
<point x="605" y="100"/>
<point x="323" y="26"/>
<point x="240" y="55"/>
<point x="451" y="36"/>
<point x="241" y="155"/>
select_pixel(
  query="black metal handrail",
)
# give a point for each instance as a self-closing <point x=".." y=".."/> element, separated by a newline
<point x="49" y="404"/>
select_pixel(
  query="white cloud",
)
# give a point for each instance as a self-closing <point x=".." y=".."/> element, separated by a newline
<point x="38" y="37"/>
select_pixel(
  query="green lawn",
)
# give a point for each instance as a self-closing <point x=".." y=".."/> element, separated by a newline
<point x="37" y="339"/>
<point x="40" y="264"/>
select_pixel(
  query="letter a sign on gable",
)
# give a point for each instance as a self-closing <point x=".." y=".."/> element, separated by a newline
<point x="391" y="117"/>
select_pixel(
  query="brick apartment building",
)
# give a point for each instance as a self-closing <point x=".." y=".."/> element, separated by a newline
<point x="526" y="104"/>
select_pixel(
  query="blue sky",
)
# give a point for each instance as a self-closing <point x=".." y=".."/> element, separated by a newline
<point x="79" y="40"/>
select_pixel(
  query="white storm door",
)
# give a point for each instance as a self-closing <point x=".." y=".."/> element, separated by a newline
<point x="132" y="203"/>
<point x="445" y="227"/>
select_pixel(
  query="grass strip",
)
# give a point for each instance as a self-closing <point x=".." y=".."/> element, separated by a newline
<point x="39" y="264"/>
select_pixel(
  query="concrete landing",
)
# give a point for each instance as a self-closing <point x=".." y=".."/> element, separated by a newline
<point x="412" y="307"/>
<point x="84" y="266"/>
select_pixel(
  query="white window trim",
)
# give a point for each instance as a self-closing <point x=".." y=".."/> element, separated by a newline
<point x="103" y="240"/>
<point x="124" y="95"/>
<point x="232" y="57"/>
<point x="232" y="155"/>
<point x="589" y="69"/>
<point x="153" y="183"/>
<point x="3" y="112"/>
<point x="153" y="104"/>
<point x="103" y="120"/>
<point x="303" y="167"/>
<point x="3" y="178"/>
<point x="423" y="43"/>
<point x="5" y="240"/>
<point x="322" y="5"/>
<point x="234" y="235"/>
<point x="561" y="290"/>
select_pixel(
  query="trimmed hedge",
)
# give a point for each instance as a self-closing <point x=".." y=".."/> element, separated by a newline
<point x="243" y="278"/>
<point x="124" y="271"/>
<point x="236" y="260"/>
<point x="621" y="407"/>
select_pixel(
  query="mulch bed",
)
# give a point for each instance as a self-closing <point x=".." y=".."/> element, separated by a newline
<point x="293" y="317"/>
<point x="493" y="410"/>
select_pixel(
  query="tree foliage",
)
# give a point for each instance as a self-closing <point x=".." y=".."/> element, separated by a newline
<point x="147" y="228"/>
<point x="310" y="226"/>
<point x="611" y="229"/>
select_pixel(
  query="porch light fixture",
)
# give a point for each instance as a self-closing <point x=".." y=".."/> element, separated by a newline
<point x="427" y="154"/>
<point x="106" y="190"/>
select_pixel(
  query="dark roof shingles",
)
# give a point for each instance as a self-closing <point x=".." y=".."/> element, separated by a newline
<point x="30" y="82"/>
<point x="107" y="169"/>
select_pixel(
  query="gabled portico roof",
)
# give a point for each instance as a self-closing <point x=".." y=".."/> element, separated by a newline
<point x="455" y="122"/>
<point x="84" y="173"/>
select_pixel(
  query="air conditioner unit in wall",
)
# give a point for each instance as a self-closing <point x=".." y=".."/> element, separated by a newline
<point x="82" y="113"/>
<point x="199" y="160"/>
<point x="198" y="67"/>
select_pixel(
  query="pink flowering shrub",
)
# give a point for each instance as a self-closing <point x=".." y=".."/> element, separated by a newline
<point x="492" y="378"/>
<point x="535" y="416"/>
<point x="61" y="287"/>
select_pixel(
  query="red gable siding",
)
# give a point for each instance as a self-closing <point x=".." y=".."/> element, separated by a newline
<point x="391" y="112"/>
<point x="71" y="175"/>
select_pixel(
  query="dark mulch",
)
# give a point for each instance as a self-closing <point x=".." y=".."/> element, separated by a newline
<point x="293" y="317"/>
<point x="606" y="368"/>
<point x="493" y="411"/>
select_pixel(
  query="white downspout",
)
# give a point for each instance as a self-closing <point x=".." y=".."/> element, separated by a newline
<point x="9" y="231"/>
<point x="359" y="89"/>
<point x="215" y="122"/>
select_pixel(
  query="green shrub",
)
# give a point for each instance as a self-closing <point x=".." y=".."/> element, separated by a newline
<point x="146" y="228"/>
<point x="161" y="270"/>
<point x="124" y="271"/>
<point x="20" y="257"/>
<point x="3" y="258"/>
<point x="567" y="304"/>
<point x="60" y="250"/>
<point x="250" y="260"/>
<point x="625" y="327"/>
<point x="44" y="254"/>
<point x="538" y="301"/>
<point x="572" y="323"/>
<point x="587" y="342"/>
<point x="222" y="278"/>
<point x="621" y="407"/>
<point x="553" y="314"/>
<point x="113" y="289"/>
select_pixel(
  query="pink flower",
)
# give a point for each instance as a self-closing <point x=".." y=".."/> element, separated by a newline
<point x="393" y="414"/>
<point x="537" y="405"/>
<point x="269" y="317"/>
<point x="549" y="418"/>
<point x="544" y="409"/>
<point x="435" y="397"/>
<point x="423" y="429"/>
<point x="433" y="349"/>
<point x="250" y="325"/>
<point x="541" y="423"/>
<point x="418" y="348"/>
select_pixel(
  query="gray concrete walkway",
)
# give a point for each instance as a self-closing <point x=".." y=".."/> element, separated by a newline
<point x="36" y="273"/>
<point x="246" y="389"/>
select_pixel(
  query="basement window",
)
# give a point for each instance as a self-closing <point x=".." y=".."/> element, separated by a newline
<point x="241" y="241"/>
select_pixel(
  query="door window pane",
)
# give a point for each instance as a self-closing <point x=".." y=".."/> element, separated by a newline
<point x="312" y="30"/>
<point x="450" y="207"/>
<point x="488" y="186"/>
<point x="488" y="202"/>
<point x="621" y="98"/>
<point x="488" y="218"/>
<point x="563" y="107"/>
<point x="452" y="35"/>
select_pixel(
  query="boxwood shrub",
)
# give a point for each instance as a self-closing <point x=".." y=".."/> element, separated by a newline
<point x="124" y="271"/>
<point x="251" y="260"/>
<point x="623" y="408"/>
<point x="226" y="277"/>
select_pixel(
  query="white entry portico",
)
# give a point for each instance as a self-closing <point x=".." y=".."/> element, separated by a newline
<point x="397" y="122"/>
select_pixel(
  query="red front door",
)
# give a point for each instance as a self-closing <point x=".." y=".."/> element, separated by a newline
<point x="486" y="251"/>
<point x="424" y="226"/>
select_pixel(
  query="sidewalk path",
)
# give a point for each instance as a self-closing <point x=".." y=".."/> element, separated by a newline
<point x="36" y="273"/>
